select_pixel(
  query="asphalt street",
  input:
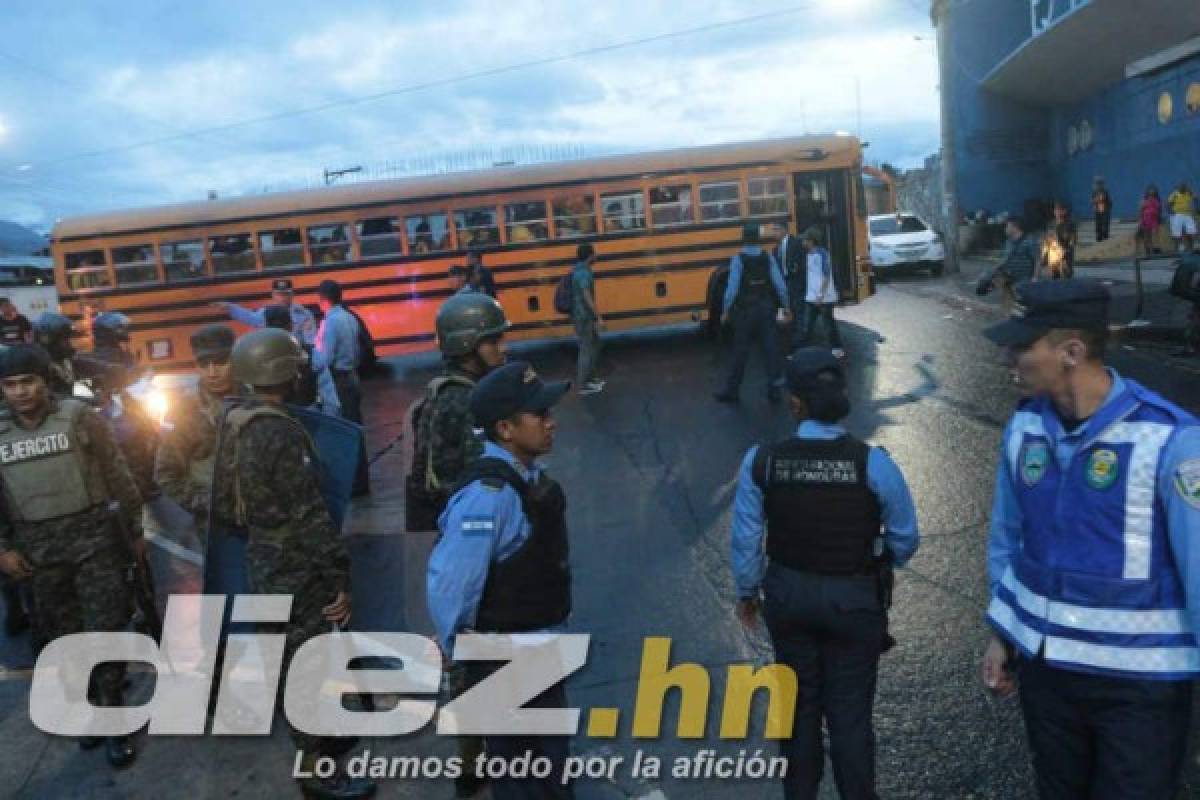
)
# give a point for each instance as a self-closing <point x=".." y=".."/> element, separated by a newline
<point x="648" y="466"/>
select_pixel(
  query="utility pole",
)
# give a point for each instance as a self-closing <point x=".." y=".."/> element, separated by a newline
<point x="949" y="211"/>
<point x="332" y="175"/>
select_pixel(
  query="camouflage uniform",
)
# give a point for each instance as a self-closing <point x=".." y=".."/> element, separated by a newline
<point x="183" y="467"/>
<point x="444" y="443"/>
<point x="267" y="485"/>
<point x="78" y="563"/>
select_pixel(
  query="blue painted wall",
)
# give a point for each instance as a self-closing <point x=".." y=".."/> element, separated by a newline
<point x="1009" y="152"/>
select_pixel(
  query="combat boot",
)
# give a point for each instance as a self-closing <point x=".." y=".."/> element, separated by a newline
<point x="16" y="621"/>
<point x="339" y="786"/>
<point x="120" y="750"/>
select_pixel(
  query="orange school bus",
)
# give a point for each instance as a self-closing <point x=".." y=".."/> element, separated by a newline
<point x="664" y="226"/>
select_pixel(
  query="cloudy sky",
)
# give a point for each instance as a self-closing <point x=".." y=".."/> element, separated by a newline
<point x="120" y="103"/>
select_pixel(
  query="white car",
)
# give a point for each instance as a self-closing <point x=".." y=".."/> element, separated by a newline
<point x="900" y="241"/>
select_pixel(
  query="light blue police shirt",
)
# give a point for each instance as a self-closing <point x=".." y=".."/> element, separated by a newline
<point x="480" y="525"/>
<point x="735" y="278"/>
<point x="337" y="341"/>
<point x="1180" y="459"/>
<point x="884" y="478"/>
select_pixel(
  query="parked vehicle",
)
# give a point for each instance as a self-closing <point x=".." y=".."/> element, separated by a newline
<point x="903" y="241"/>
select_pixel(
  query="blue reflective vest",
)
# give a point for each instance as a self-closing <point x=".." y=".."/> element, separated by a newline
<point x="1094" y="587"/>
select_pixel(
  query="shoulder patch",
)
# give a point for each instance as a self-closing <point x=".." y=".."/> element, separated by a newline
<point x="1187" y="482"/>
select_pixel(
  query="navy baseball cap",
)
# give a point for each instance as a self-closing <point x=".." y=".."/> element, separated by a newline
<point x="1044" y="306"/>
<point x="805" y="365"/>
<point x="511" y="389"/>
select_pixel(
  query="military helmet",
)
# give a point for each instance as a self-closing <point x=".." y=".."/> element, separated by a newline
<point x="53" y="332"/>
<point x="110" y="329"/>
<point x="464" y="319"/>
<point x="266" y="357"/>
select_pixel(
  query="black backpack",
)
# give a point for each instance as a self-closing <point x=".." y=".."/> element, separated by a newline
<point x="564" y="294"/>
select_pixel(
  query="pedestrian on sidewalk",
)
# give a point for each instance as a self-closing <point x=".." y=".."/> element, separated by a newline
<point x="821" y="294"/>
<point x="1149" y="219"/>
<point x="1019" y="264"/>
<point x="1183" y="217"/>
<point x="1102" y="207"/>
<point x="587" y="319"/>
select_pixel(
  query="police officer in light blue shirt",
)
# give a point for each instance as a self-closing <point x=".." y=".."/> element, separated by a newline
<point x="1094" y="556"/>
<point x="501" y="564"/>
<point x="283" y="294"/>
<point x="337" y="349"/>
<point x="819" y="522"/>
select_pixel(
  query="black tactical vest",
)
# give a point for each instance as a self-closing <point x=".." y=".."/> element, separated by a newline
<point x="756" y="279"/>
<point x="821" y="515"/>
<point x="531" y="589"/>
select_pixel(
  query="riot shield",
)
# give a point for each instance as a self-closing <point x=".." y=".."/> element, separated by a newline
<point x="338" y="442"/>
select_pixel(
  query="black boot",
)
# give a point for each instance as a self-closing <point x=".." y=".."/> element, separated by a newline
<point x="90" y="742"/>
<point x="467" y="785"/>
<point x="121" y="751"/>
<point x="16" y="621"/>
<point x="338" y="787"/>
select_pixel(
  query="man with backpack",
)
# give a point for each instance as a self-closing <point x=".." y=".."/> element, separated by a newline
<point x="576" y="295"/>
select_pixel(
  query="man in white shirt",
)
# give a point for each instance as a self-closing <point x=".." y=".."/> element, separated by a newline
<point x="821" y="295"/>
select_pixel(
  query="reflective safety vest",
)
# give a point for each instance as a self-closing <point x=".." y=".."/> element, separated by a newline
<point x="45" y="472"/>
<point x="1094" y="587"/>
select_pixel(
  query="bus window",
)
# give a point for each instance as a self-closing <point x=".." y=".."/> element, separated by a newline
<point x="671" y="205"/>
<point x="428" y="233"/>
<point x="476" y="227"/>
<point x="720" y="201"/>
<point x="329" y="244"/>
<point x="134" y="264"/>
<point x="182" y="261"/>
<point x="231" y="253"/>
<point x="526" y="222"/>
<point x="379" y="236"/>
<point x="575" y="216"/>
<point x="281" y="248"/>
<point x="623" y="212"/>
<point x="87" y="270"/>
<point x="768" y="195"/>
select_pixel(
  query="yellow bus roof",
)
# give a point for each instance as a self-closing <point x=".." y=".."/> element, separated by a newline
<point x="841" y="150"/>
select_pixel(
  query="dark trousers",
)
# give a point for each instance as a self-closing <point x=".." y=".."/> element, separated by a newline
<point x="796" y="285"/>
<point x="1103" y="738"/>
<point x="755" y="322"/>
<point x="556" y="748"/>
<point x="589" y="350"/>
<point x="814" y="313"/>
<point x="349" y="392"/>
<point x="831" y="632"/>
<point x="1102" y="221"/>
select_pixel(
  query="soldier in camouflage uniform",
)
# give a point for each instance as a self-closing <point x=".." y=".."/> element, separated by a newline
<point x="64" y="479"/>
<point x="53" y="332"/>
<point x="266" y="485"/>
<point x="470" y="331"/>
<point x="184" y="463"/>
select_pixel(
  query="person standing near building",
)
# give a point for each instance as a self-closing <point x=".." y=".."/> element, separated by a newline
<point x="1018" y="265"/>
<point x="791" y="257"/>
<point x="283" y="293"/>
<point x="313" y="387"/>
<point x="267" y="486"/>
<point x="502" y="563"/>
<point x="754" y="293"/>
<point x="337" y="348"/>
<point x="1183" y="217"/>
<point x="73" y="521"/>
<point x="837" y="517"/>
<point x="821" y="295"/>
<point x="1150" y="216"/>
<point x="183" y="466"/>
<point x="14" y="326"/>
<point x="478" y="275"/>
<point x="586" y="317"/>
<point x="1095" y="539"/>
<point x="1102" y="208"/>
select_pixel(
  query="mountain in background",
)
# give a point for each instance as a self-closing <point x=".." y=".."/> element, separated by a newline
<point x="17" y="240"/>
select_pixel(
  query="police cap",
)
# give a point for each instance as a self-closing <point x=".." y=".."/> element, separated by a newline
<point x="1044" y="306"/>
<point x="25" y="359"/>
<point x="511" y="389"/>
<point x="213" y="341"/>
<point x="805" y="366"/>
<point x="750" y="232"/>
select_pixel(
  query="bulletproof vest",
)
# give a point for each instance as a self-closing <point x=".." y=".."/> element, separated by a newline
<point x="426" y="494"/>
<point x="305" y="391"/>
<point x="821" y="515"/>
<point x="756" y="278"/>
<point x="236" y="421"/>
<point x="531" y="589"/>
<point x="44" y="471"/>
<point x="202" y="464"/>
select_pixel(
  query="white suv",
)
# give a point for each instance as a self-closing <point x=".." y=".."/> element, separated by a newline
<point x="903" y="240"/>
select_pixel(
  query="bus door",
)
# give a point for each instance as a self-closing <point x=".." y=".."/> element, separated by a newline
<point x="822" y="201"/>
